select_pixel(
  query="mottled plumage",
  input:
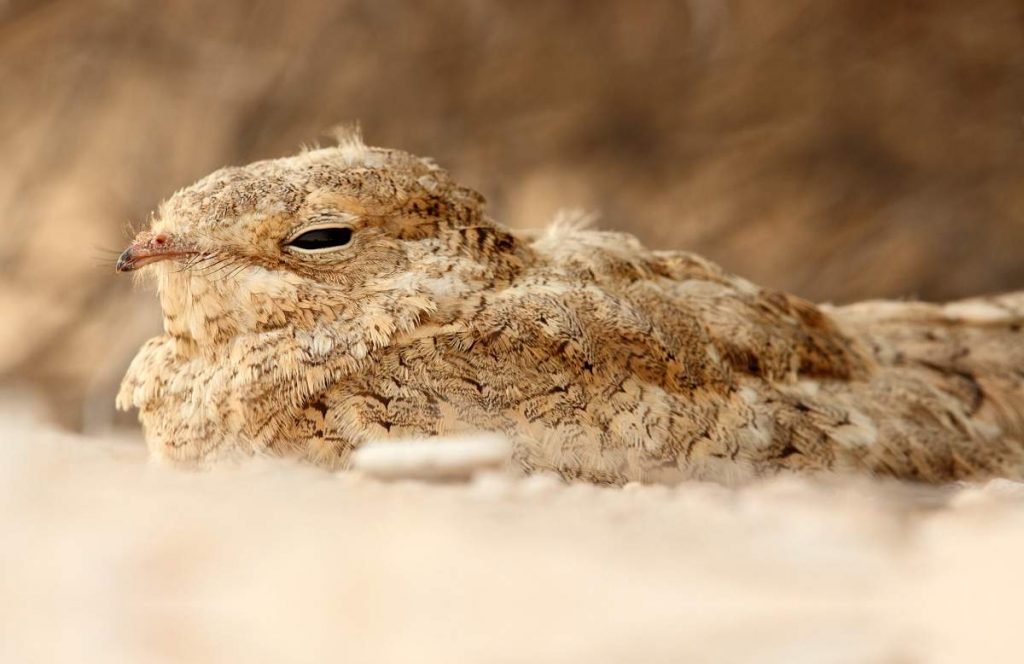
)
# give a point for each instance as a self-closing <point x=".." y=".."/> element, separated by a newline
<point x="599" y="358"/>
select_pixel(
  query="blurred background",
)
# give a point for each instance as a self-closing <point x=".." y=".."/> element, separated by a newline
<point x="838" y="150"/>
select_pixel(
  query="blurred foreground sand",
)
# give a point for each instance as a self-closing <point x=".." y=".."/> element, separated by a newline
<point x="108" y="559"/>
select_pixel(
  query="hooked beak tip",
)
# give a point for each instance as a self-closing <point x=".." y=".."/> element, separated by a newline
<point x="126" y="261"/>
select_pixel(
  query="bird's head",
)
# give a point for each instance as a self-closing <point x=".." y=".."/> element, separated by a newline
<point x="328" y="235"/>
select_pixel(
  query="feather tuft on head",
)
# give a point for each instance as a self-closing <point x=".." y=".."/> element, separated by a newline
<point x="569" y="221"/>
<point x="350" y="141"/>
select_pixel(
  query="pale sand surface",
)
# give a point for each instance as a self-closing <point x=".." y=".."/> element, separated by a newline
<point x="105" y="558"/>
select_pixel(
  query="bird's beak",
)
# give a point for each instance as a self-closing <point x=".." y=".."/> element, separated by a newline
<point x="150" y="247"/>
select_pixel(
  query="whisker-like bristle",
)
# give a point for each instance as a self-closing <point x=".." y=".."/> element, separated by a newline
<point x="104" y="256"/>
<point x="215" y="266"/>
<point x="128" y="230"/>
<point x="203" y="259"/>
<point x="234" y="273"/>
<point x="98" y="252"/>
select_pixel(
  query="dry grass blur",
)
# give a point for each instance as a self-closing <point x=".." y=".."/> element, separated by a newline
<point x="839" y="150"/>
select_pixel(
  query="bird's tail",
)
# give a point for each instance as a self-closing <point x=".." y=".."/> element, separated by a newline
<point x="979" y="342"/>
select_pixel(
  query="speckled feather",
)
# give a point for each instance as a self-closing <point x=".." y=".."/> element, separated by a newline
<point x="598" y="358"/>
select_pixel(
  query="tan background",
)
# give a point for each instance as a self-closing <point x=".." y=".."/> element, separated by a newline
<point x="840" y="149"/>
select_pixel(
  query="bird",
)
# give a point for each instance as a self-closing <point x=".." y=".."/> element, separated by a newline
<point x="348" y="295"/>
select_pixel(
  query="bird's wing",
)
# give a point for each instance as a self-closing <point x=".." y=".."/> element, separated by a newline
<point x="694" y="307"/>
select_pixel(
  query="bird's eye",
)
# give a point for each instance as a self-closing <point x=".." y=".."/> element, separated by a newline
<point x="322" y="239"/>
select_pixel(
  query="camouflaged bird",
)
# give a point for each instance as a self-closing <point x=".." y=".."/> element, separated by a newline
<point x="351" y="294"/>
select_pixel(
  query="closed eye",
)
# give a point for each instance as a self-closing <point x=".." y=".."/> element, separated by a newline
<point x="321" y="239"/>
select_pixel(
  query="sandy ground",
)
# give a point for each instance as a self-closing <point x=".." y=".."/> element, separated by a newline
<point x="106" y="558"/>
